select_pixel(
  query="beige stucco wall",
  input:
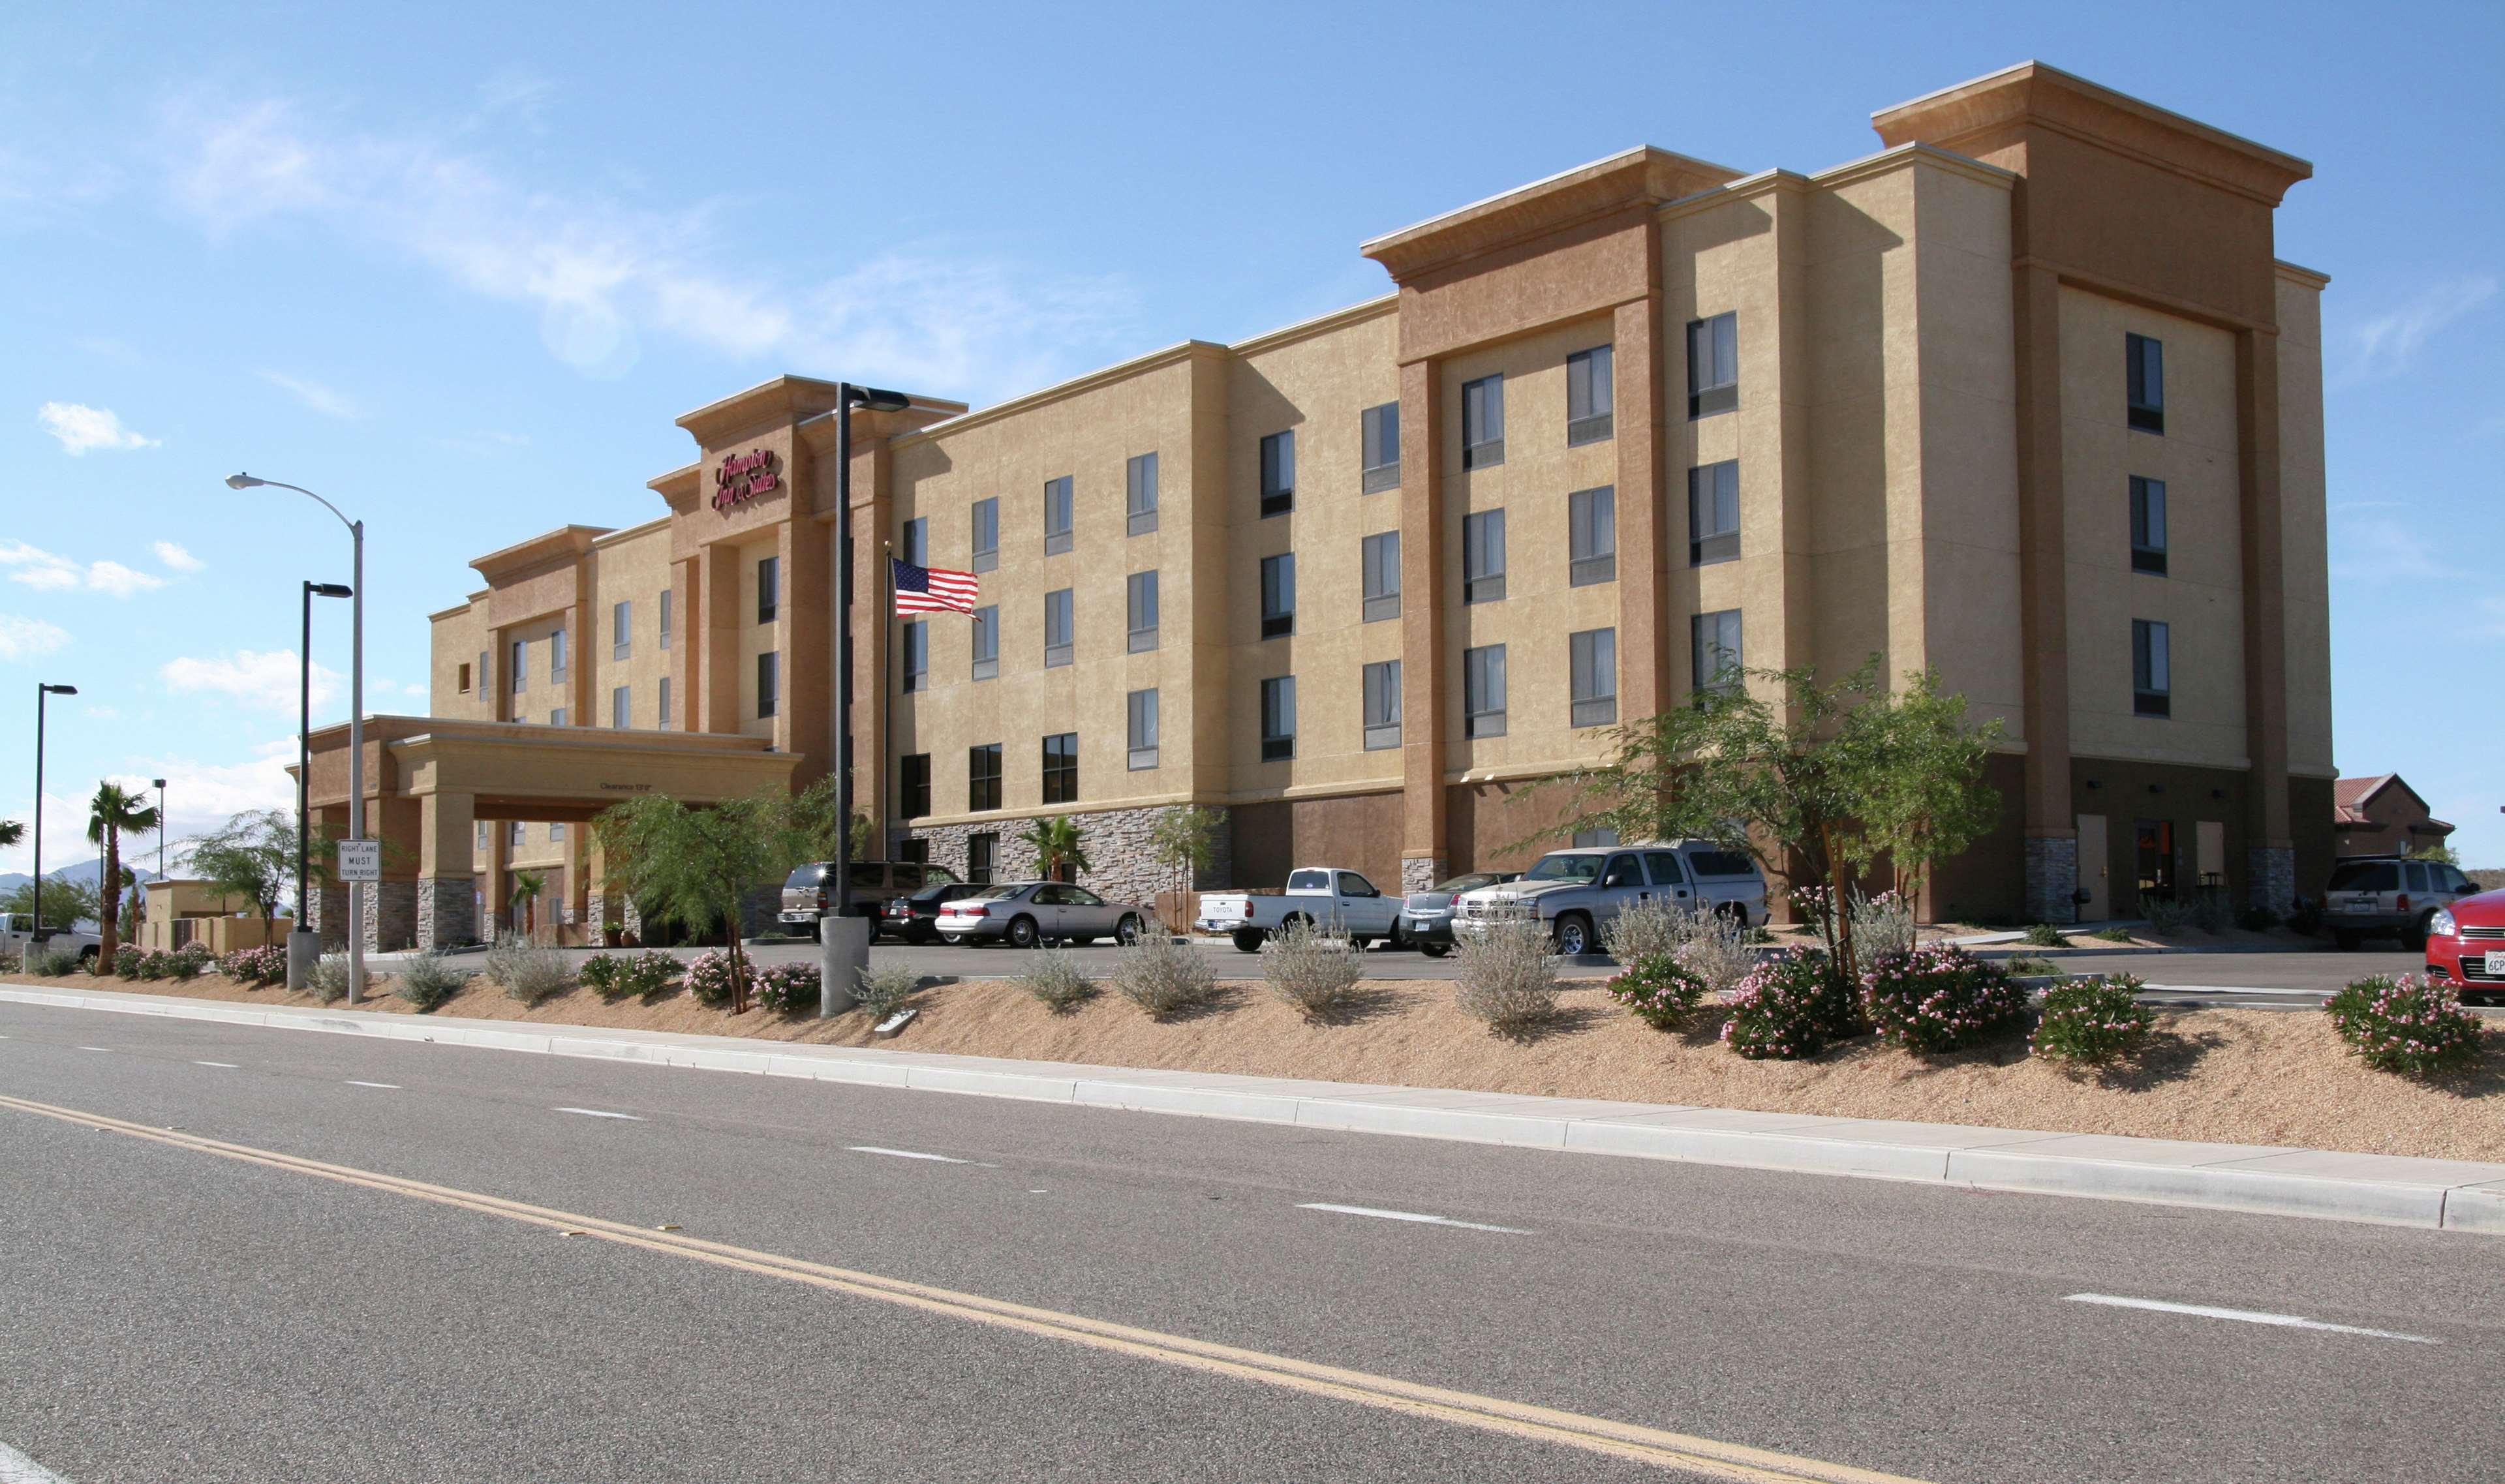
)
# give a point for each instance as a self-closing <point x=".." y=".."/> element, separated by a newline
<point x="631" y="566"/>
<point x="457" y="638"/>
<point x="2199" y="597"/>
<point x="2303" y="495"/>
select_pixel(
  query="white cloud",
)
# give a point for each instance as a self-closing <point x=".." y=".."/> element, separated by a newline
<point x="315" y="395"/>
<point x="51" y="572"/>
<point x="602" y="276"/>
<point x="201" y="794"/>
<point x="2387" y="344"/>
<point x="23" y="638"/>
<point x="264" y="679"/>
<point x="82" y="427"/>
<point x="177" y="558"/>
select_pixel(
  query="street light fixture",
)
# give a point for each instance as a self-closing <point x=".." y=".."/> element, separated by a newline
<point x="35" y="929"/>
<point x="843" y="940"/>
<point x="356" y="720"/>
<point x="304" y="942"/>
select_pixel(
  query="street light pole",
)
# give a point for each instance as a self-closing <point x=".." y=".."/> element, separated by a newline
<point x="161" y="829"/>
<point x="356" y="721"/>
<point x="304" y="944"/>
<point x="35" y="928"/>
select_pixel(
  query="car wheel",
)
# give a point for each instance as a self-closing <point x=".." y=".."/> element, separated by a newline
<point x="1022" y="933"/>
<point x="1573" y="935"/>
<point x="1127" y="931"/>
<point x="2346" y="941"/>
<point x="1395" y="939"/>
<point x="953" y="940"/>
<point x="1248" y="940"/>
<point x="1434" y="950"/>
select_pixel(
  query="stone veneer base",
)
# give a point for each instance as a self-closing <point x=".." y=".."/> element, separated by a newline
<point x="2052" y="879"/>
<point x="2269" y="875"/>
<point x="1121" y="866"/>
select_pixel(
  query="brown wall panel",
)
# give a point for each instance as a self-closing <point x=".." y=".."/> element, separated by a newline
<point x="1359" y="832"/>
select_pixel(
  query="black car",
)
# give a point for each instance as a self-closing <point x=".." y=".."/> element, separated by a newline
<point x="1426" y="916"/>
<point x="915" y="918"/>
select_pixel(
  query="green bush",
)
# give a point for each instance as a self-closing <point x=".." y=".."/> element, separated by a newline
<point x="1783" y="1007"/>
<point x="2113" y="934"/>
<point x="54" y="963"/>
<point x="2092" y="1021"/>
<point x="789" y="988"/>
<point x="1157" y="974"/>
<point x="530" y="972"/>
<point x="1506" y="975"/>
<point x="328" y="979"/>
<point x="885" y="990"/>
<point x="2257" y="919"/>
<point x="2211" y="912"/>
<point x="428" y="980"/>
<point x="1659" y="992"/>
<point x="2163" y="914"/>
<point x="132" y="963"/>
<point x="1313" y="969"/>
<point x="1940" y="998"/>
<point x="189" y="962"/>
<point x="709" y="978"/>
<point x="2026" y="966"/>
<point x="2412" y="1025"/>
<point x="2044" y="935"/>
<point x="600" y="972"/>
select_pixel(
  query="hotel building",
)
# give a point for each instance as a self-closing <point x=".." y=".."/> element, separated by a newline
<point x="2023" y="397"/>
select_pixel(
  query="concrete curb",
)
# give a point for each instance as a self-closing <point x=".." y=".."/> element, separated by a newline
<point x="2447" y="1194"/>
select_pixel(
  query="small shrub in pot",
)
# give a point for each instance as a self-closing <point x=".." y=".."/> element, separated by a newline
<point x="2093" y="1022"/>
<point x="2412" y="1025"/>
<point x="1311" y="968"/>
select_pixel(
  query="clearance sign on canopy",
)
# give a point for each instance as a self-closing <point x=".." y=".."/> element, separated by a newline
<point x="744" y="476"/>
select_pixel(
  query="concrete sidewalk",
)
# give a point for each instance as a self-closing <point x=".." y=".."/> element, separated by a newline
<point x="2450" y="1194"/>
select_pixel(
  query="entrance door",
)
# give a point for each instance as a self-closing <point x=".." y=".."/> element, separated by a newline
<point x="2096" y="866"/>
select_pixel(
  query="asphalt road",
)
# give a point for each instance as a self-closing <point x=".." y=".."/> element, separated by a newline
<point x="168" y="1312"/>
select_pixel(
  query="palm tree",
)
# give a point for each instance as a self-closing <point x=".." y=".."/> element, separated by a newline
<point x="11" y="832"/>
<point x="527" y="886"/>
<point x="1056" y="845"/>
<point x="114" y="812"/>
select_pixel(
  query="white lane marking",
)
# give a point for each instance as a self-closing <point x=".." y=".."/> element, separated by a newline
<point x="17" y="1469"/>
<point x="388" y="1087"/>
<point x="902" y="1154"/>
<point x="1411" y="1215"/>
<point x="600" y="1112"/>
<point x="95" y="1048"/>
<point x="228" y="1065"/>
<point x="2248" y="1315"/>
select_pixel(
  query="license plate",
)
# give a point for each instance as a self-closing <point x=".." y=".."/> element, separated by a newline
<point x="2356" y="907"/>
<point x="2495" y="964"/>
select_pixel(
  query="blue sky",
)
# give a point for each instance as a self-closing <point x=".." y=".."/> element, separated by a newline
<point x="459" y="267"/>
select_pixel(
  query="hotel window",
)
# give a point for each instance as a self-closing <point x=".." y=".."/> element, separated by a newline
<point x="621" y="630"/>
<point x="1712" y="365"/>
<point x="1483" y="423"/>
<point x="1483" y="691"/>
<point x="2152" y="670"/>
<point x="1714" y="513"/>
<point x="1277" y="718"/>
<point x="521" y="667"/>
<point x="987" y="535"/>
<point x="665" y="618"/>
<point x="557" y="655"/>
<point x="485" y="677"/>
<point x="2148" y="526"/>
<point x="1279" y="595"/>
<point x="987" y="641"/>
<point x="1143" y="729"/>
<point x="769" y="588"/>
<point x="464" y="681"/>
<point x="622" y="707"/>
<point x="982" y="858"/>
<point x="983" y="777"/>
<point x="1594" y="657"/>
<point x="513" y="835"/>
<point x="479" y="834"/>
<point x="2144" y="368"/>
<point x="1140" y="495"/>
<point x="556" y="718"/>
<point x="1061" y="768"/>
<point x="1382" y="704"/>
<point x="1483" y="556"/>
<point x="913" y="784"/>
<point x="1592" y="536"/>
<point x="1589" y="395"/>
<point x="917" y="850"/>
<point x="1057" y="625"/>
<point x="664" y="711"/>
<point x="917" y="655"/>
<point x="556" y="833"/>
<point x="1141" y="603"/>
<point x="915" y="547"/>
<point x="1382" y="439"/>
<point x="1279" y="472"/>
<point x="1380" y="556"/>
<point x="769" y="673"/>
<point x="1714" y="641"/>
<point x="1058" y="503"/>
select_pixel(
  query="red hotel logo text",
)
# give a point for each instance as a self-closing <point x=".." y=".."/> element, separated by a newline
<point x="744" y="476"/>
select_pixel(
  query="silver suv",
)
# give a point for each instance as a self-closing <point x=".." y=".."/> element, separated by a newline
<point x="2372" y="895"/>
<point x="1579" y="892"/>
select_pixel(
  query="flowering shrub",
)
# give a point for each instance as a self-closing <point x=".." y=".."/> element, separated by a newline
<point x="255" y="968"/>
<point x="788" y="988"/>
<point x="1940" y="998"/>
<point x="615" y="976"/>
<point x="2092" y="1021"/>
<point x="2413" y="1025"/>
<point x="134" y="964"/>
<point x="187" y="962"/>
<point x="1782" y="1008"/>
<point x="709" y="978"/>
<point x="1661" y="993"/>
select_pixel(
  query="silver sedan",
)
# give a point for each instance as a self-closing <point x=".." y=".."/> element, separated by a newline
<point x="1024" y="913"/>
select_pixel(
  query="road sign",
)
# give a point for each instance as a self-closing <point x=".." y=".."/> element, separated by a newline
<point x="360" y="860"/>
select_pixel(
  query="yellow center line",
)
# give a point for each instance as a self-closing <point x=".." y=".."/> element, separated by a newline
<point x="1490" y="1414"/>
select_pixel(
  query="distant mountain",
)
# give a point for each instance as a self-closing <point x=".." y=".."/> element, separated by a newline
<point x="11" y="880"/>
<point x="85" y="873"/>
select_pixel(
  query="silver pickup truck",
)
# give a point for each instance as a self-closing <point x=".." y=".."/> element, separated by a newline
<point x="15" y="933"/>
<point x="1578" y="893"/>
<point x="1324" y="896"/>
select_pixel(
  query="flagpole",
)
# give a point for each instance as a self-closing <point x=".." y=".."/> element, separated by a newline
<point x="887" y="703"/>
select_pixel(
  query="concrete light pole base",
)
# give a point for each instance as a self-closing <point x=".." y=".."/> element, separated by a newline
<point x="843" y="953"/>
<point x="303" y="951"/>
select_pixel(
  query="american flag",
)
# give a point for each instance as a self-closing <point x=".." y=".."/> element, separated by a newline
<point x="931" y="589"/>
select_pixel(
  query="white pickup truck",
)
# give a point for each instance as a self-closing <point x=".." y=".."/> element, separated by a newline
<point x="15" y="928"/>
<point x="1324" y="896"/>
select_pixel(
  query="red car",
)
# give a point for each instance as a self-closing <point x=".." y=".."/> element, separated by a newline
<point x="2466" y="945"/>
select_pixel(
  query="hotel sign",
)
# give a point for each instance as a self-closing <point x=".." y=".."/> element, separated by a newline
<point x="745" y="476"/>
